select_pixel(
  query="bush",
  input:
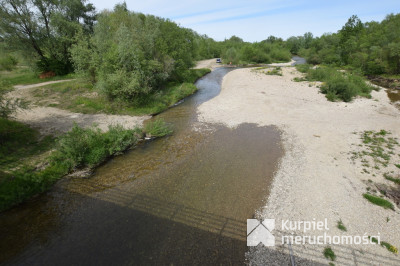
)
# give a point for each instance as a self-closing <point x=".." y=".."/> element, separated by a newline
<point x="8" y="63"/>
<point x="157" y="128"/>
<point x="303" y="68"/>
<point x="9" y="106"/>
<point x="82" y="147"/>
<point x="338" y="85"/>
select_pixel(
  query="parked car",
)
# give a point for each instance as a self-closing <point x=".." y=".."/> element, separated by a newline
<point x="218" y="60"/>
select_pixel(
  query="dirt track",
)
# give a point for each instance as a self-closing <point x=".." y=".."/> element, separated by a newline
<point x="50" y="120"/>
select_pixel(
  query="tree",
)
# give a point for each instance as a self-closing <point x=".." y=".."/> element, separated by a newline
<point x="45" y="29"/>
<point x="132" y="55"/>
<point x="348" y="37"/>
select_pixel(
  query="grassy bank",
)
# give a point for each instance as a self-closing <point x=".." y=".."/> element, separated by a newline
<point x="337" y="85"/>
<point x="31" y="163"/>
<point x="81" y="97"/>
<point x="23" y="75"/>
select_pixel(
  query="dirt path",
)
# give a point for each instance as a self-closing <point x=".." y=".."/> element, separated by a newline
<point x="316" y="178"/>
<point x="208" y="63"/>
<point x="50" y="120"/>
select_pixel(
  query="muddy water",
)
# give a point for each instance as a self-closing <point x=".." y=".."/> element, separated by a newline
<point x="183" y="199"/>
<point x="394" y="96"/>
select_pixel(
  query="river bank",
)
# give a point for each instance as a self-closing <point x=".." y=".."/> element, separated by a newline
<point x="316" y="177"/>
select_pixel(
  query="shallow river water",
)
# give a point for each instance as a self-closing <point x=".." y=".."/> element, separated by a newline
<point x="181" y="199"/>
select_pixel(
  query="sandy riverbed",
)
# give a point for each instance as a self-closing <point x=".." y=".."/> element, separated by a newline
<point x="316" y="177"/>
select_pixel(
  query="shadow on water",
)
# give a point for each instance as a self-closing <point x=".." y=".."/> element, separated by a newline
<point x="183" y="199"/>
<point x="212" y="179"/>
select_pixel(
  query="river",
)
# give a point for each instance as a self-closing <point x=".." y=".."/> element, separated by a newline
<point x="181" y="199"/>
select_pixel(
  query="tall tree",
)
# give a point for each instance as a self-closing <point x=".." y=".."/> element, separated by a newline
<point x="45" y="28"/>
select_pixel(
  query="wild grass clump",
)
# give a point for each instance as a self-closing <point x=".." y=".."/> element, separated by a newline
<point x="83" y="147"/>
<point x="329" y="254"/>
<point x="157" y="128"/>
<point x="391" y="178"/>
<point x="385" y="244"/>
<point x="390" y="247"/>
<point x="341" y="226"/>
<point x="378" y="201"/>
<point x="277" y="71"/>
<point x="8" y="62"/>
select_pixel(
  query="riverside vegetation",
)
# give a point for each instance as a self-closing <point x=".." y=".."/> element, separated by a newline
<point x="337" y="85"/>
<point x="31" y="163"/>
<point x="130" y="63"/>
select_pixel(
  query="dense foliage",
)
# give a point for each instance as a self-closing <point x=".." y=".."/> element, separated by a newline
<point x="236" y="51"/>
<point x="132" y="55"/>
<point x="337" y="85"/>
<point x="45" y="29"/>
<point x="372" y="47"/>
<point x="79" y="148"/>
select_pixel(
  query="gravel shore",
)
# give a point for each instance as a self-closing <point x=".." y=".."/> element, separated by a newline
<point x="316" y="178"/>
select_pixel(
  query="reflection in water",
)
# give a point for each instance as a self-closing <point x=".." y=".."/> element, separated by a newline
<point x="180" y="199"/>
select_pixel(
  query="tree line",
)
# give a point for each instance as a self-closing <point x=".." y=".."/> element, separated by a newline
<point x="373" y="48"/>
<point x="129" y="55"/>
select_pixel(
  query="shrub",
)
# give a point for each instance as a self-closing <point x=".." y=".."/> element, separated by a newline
<point x="157" y="128"/>
<point x="338" y="85"/>
<point x="8" y="63"/>
<point x="303" y="68"/>
<point x="82" y="147"/>
<point x="9" y="106"/>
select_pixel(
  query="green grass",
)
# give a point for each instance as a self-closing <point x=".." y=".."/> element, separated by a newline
<point x="78" y="148"/>
<point x="341" y="226"/>
<point x="303" y="68"/>
<point x="378" y="201"/>
<point x="385" y="244"/>
<point x="277" y="71"/>
<point x="80" y="96"/>
<point x="329" y="254"/>
<point x="192" y="75"/>
<point x="379" y="146"/>
<point x="390" y="247"/>
<point x="390" y="178"/>
<point x="297" y="79"/>
<point x="21" y="149"/>
<point x="24" y="75"/>
<point x="88" y="147"/>
<point x="19" y="144"/>
<point x="157" y="128"/>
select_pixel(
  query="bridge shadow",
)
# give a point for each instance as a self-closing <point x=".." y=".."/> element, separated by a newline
<point x="145" y="232"/>
<point x="116" y="226"/>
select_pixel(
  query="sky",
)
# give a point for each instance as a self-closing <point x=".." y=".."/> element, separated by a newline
<point x="255" y="20"/>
